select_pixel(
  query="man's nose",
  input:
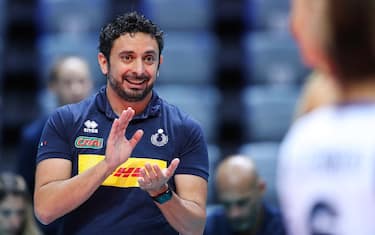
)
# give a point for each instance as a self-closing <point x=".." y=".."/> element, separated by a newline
<point x="139" y="67"/>
<point x="15" y="221"/>
<point x="234" y="211"/>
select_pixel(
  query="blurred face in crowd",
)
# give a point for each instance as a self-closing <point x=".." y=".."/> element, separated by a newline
<point x="12" y="214"/>
<point x="73" y="81"/>
<point x="132" y="67"/>
<point x="240" y="191"/>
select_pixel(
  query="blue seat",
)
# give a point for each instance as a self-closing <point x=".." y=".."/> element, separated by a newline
<point x="269" y="111"/>
<point x="73" y="16"/>
<point x="264" y="155"/>
<point x="3" y="17"/>
<point x="214" y="158"/>
<point x="189" y="57"/>
<point x="179" y="14"/>
<point x="273" y="58"/>
<point x="53" y="46"/>
<point x="267" y="14"/>
<point x="201" y="102"/>
<point x="1" y="64"/>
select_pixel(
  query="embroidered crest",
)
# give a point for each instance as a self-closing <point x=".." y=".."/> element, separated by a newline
<point x="159" y="139"/>
<point x="90" y="127"/>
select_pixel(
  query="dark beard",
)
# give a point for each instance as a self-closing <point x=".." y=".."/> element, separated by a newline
<point x="134" y="96"/>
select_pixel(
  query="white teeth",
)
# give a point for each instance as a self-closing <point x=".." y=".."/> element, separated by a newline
<point x="137" y="82"/>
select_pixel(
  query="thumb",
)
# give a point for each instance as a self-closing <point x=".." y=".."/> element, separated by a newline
<point x="172" y="167"/>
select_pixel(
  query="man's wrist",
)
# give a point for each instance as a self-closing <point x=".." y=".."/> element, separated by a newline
<point x="164" y="196"/>
<point x="161" y="190"/>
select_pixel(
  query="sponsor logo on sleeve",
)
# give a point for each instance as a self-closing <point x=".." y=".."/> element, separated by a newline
<point x="88" y="142"/>
<point x="126" y="175"/>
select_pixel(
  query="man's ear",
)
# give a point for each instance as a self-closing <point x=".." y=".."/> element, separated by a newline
<point x="103" y="63"/>
<point x="262" y="186"/>
<point x="161" y="58"/>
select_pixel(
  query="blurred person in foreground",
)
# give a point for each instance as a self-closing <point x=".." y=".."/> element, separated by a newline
<point x="16" y="213"/>
<point x="243" y="211"/>
<point x="317" y="91"/>
<point x="124" y="161"/>
<point x="69" y="81"/>
<point x="327" y="160"/>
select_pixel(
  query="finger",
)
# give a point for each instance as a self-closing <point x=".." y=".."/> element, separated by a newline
<point x="172" y="167"/>
<point x="136" y="138"/>
<point x="158" y="172"/>
<point x="145" y="178"/>
<point x="150" y="171"/>
<point x="142" y="183"/>
<point x="125" y="117"/>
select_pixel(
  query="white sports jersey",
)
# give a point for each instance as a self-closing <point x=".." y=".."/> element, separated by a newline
<point x="326" y="172"/>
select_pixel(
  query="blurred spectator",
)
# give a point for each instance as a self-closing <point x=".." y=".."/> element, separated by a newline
<point x="70" y="81"/>
<point x="318" y="91"/>
<point x="242" y="209"/>
<point x="327" y="160"/>
<point x="16" y="212"/>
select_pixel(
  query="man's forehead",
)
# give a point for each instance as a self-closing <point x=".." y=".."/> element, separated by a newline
<point x="142" y="45"/>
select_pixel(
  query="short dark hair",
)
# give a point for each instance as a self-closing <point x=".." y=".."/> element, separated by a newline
<point x="351" y="44"/>
<point x="128" y="23"/>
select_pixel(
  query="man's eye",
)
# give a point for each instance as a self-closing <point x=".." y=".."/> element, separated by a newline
<point x="149" y="59"/>
<point x="126" y="57"/>
<point x="5" y="212"/>
<point x="243" y="202"/>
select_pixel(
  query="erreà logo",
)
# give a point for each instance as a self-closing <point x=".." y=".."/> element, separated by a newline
<point x="88" y="142"/>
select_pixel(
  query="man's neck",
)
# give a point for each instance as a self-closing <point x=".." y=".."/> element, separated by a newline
<point x="118" y="104"/>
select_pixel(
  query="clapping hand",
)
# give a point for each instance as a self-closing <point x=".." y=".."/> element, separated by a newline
<point x="154" y="180"/>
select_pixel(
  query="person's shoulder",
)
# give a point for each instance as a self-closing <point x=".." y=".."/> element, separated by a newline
<point x="216" y="222"/>
<point x="76" y="109"/>
<point x="35" y="128"/>
<point x="273" y="220"/>
<point x="310" y="124"/>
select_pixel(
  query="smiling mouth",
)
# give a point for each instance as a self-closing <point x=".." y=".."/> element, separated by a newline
<point x="135" y="81"/>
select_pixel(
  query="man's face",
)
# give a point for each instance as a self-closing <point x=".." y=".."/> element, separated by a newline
<point x="241" y="208"/>
<point x="12" y="215"/>
<point x="73" y="81"/>
<point x="133" y="66"/>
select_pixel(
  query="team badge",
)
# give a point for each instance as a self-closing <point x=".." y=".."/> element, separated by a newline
<point x="159" y="139"/>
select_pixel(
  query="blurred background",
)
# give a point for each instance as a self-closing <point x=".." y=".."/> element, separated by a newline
<point x="231" y="64"/>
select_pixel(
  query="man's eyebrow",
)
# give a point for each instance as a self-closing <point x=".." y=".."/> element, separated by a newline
<point x="153" y="52"/>
<point x="125" y="52"/>
<point x="150" y="52"/>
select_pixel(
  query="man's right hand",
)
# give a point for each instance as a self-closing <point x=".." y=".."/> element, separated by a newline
<point x="118" y="147"/>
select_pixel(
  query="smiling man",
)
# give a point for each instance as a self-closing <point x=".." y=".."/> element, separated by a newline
<point x="124" y="161"/>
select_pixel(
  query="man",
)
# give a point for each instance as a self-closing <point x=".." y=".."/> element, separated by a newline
<point x="69" y="81"/>
<point x="124" y="161"/>
<point x="327" y="160"/>
<point x="240" y="191"/>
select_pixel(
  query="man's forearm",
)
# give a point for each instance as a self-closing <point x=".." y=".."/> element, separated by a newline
<point x="187" y="217"/>
<point x="59" y="197"/>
